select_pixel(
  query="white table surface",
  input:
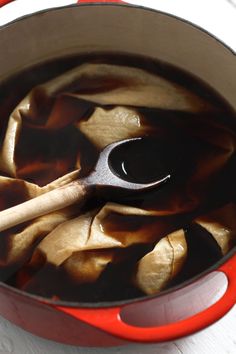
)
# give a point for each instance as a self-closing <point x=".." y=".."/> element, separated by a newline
<point x="219" y="18"/>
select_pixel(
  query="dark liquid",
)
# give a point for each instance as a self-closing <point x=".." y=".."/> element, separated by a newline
<point x="143" y="161"/>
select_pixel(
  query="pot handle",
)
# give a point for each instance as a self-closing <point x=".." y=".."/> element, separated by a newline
<point x="4" y="2"/>
<point x="110" y="321"/>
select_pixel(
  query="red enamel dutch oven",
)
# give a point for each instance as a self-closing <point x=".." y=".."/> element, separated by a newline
<point x="120" y="28"/>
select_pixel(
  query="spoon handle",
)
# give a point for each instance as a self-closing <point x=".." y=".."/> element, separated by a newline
<point x="56" y="199"/>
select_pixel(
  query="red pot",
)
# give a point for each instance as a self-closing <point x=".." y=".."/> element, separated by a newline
<point x="92" y="28"/>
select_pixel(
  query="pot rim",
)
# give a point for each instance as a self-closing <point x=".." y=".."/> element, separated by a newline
<point x="113" y="4"/>
<point x="109" y="304"/>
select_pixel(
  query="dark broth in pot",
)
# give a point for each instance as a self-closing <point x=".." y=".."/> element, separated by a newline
<point x="175" y="142"/>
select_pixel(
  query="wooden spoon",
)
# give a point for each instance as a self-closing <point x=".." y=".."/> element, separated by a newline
<point x="77" y="191"/>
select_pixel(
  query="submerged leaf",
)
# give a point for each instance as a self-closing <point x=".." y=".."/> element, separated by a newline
<point x="107" y="126"/>
<point x="158" y="267"/>
<point x="221" y="224"/>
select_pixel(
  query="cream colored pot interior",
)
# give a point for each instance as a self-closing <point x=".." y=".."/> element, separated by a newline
<point x="115" y="28"/>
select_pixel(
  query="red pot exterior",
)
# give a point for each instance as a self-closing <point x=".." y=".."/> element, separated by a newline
<point x="47" y="322"/>
<point x="4" y="2"/>
<point x="139" y="321"/>
<point x="88" y="29"/>
<point x="170" y="316"/>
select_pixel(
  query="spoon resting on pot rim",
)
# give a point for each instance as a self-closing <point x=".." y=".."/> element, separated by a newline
<point x="76" y="191"/>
